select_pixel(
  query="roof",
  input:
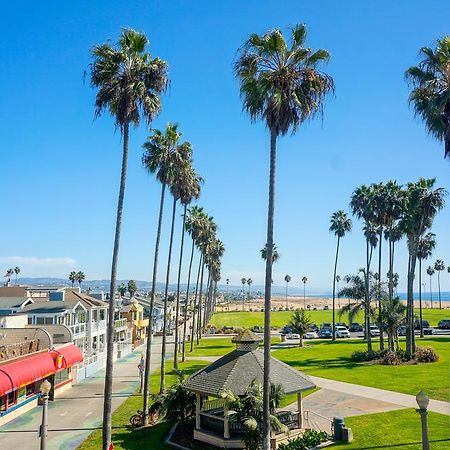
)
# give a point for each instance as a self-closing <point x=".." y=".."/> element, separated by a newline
<point x="13" y="291"/>
<point x="12" y="302"/>
<point x="66" y="356"/>
<point x="51" y="306"/>
<point x="238" y="369"/>
<point x="246" y="336"/>
<point x="85" y="299"/>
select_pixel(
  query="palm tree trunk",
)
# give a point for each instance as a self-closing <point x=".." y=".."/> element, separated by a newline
<point x="148" y="350"/>
<point x="186" y="305"/>
<point x="286" y="296"/>
<point x="206" y="308"/>
<point x="420" y="297"/>
<point x="334" y="289"/>
<point x="107" y="402"/>
<point x="439" y="288"/>
<point x="410" y="338"/>
<point x="380" y="242"/>
<point x="391" y="263"/>
<point x="367" y="303"/>
<point x="177" y="312"/>
<point x="194" y="329"/>
<point x="268" y="292"/>
<point x="162" y="386"/>
<point x="199" y="320"/>
<point x="431" y="294"/>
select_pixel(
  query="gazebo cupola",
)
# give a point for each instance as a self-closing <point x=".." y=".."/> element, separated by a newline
<point x="246" y="341"/>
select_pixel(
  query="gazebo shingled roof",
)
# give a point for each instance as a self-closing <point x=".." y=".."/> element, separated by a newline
<point x="236" y="371"/>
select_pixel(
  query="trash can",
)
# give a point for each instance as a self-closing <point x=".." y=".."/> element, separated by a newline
<point x="338" y="424"/>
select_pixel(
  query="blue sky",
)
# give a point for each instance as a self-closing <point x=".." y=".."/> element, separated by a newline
<point x="61" y="168"/>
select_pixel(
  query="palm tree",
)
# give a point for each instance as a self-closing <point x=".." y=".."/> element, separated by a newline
<point x="340" y="224"/>
<point x="430" y="272"/>
<point x="427" y="244"/>
<point x="157" y="159"/>
<point x="16" y="271"/>
<point x="275" y="254"/>
<point x="72" y="277"/>
<point x="122" y="289"/>
<point x="9" y="274"/>
<point x="243" y="281"/>
<point x="249" y="282"/>
<point x="304" y="281"/>
<point x="300" y="323"/>
<point x="280" y="83"/>
<point x="438" y="266"/>
<point x="132" y="288"/>
<point x="430" y="95"/>
<point x="129" y="83"/>
<point x="392" y="316"/>
<point x="189" y="188"/>
<point x="422" y="203"/>
<point x="80" y="277"/>
<point x="287" y="278"/>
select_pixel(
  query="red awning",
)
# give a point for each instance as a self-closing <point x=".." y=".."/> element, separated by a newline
<point x="15" y="374"/>
<point x="66" y="356"/>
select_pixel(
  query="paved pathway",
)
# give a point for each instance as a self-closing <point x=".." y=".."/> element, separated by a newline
<point x="74" y="415"/>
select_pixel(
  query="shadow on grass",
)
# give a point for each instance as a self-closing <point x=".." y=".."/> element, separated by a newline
<point x="152" y="437"/>
<point x="406" y="444"/>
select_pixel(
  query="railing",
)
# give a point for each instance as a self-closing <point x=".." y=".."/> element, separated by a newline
<point x="79" y="328"/>
<point x="210" y="405"/>
<point x="288" y="418"/>
<point x="120" y="323"/>
<point x="142" y="323"/>
<point x="212" y="423"/>
<point x="318" y="422"/>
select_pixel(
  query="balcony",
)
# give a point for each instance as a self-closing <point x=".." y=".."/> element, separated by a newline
<point x="120" y="324"/>
<point x="78" y="329"/>
<point x="141" y="322"/>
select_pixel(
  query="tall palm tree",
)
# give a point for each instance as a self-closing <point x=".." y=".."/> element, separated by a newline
<point x="430" y="272"/>
<point x="275" y="254"/>
<point x="129" y="83"/>
<point x="430" y="95"/>
<point x="80" y="277"/>
<point x="304" y="281"/>
<point x="158" y="159"/>
<point x="132" y="288"/>
<point x="287" y="278"/>
<point x="249" y="282"/>
<point x="438" y="267"/>
<point x="9" y="274"/>
<point x="427" y="244"/>
<point x="422" y="203"/>
<point x="16" y="271"/>
<point x="188" y="186"/>
<point x="72" y="277"/>
<point x="280" y="83"/>
<point x="243" y="281"/>
<point x="340" y="224"/>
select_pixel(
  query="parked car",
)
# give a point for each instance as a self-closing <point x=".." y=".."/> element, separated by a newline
<point x="444" y="324"/>
<point x="374" y="330"/>
<point x="355" y="327"/>
<point x="257" y="329"/>
<point x="341" y="332"/>
<point x="292" y="336"/>
<point x="401" y="330"/>
<point x="428" y="331"/>
<point x="425" y="324"/>
<point x="286" y="330"/>
<point x="325" y="333"/>
<point x="326" y="325"/>
<point x="326" y="308"/>
<point x="311" y="335"/>
<point x="342" y="324"/>
<point x="314" y="327"/>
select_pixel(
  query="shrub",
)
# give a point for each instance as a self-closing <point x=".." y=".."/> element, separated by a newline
<point x="359" y="356"/>
<point x="426" y="355"/>
<point x="310" y="439"/>
<point x="402" y="354"/>
<point x="390" y="359"/>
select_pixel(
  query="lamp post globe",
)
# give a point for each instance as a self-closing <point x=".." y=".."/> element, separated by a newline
<point x="422" y="400"/>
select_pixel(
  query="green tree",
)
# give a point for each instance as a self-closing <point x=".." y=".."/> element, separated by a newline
<point x="300" y="323"/>
<point x="17" y="271"/>
<point x="129" y="83"/>
<point x="275" y="254"/>
<point x="422" y="203"/>
<point x="287" y="278"/>
<point x="427" y="244"/>
<point x="244" y="282"/>
<point x="430" y="95"/>
<point x="280" y="83"/>
<point x="438" y="267"/>
<point x="122" y="289"/>
<point x="431" y="272"/>
<point x="304" y="281"/>
<point x="132" y="288"/>
<point x="80" y="277"/>
<point x="72" y="277"/>
<point x="340" y="225"/>
<point x="249" y="282"/>
<point x="392" y="316"/>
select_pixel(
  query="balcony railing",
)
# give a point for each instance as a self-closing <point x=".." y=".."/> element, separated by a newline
<point x="79" y="328"/>
<point x="120" y="323"/>
<point x="142" y="323"/>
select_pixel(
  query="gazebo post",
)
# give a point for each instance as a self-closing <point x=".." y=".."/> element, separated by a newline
<point x="226" y="422"/>
<point x="300" y="409"/>
<point x="197" y="410"/>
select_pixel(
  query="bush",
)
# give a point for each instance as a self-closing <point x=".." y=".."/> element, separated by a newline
<point x="426" y="355"/>
<point x="360" y="356"/>
<point x="310" y="439"/>
<point x="390" y="359"/>
<point x="402" y="354"/>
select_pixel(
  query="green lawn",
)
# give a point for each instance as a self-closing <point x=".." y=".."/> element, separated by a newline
<point x="281" y="318"/>
<point x="396" y="429"/>
<point x="124" y="437"/>
<point x="332" y="360"/>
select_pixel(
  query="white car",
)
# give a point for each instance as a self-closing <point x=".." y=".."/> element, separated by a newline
<point x="374" y="331"/>
<point x="310" y="335"/>
<point x="342" y="332"/>
<point x="292" y="336"/>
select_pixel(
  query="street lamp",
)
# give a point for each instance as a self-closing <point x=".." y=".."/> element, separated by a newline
<point x="423" y="400"/>
<point x="45" y="390"/>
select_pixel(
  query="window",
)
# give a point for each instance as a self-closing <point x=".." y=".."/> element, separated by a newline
<point x="62" y="376"/>
<point x="102" y="314"/>
<point x="48" y="321"/>
<point x="3" y="403"/>
<point x="40" y="320"/>
<point x="12" y="398"/>
<point x="33" y="388"/>
<point x="30" y="321"/>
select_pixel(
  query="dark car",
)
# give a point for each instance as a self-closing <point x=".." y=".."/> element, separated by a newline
<point x="425" y="324"/>
<point x="325" y="333"/>
<point x="257" y="329"/>
<point x="286" y="330"/>
<point x="355" y="327"/>
<point x="401" y="330"/>
<point x="444" y="323"/>
<point x="314" y="327"/>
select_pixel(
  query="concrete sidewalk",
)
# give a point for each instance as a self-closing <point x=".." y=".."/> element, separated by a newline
<point x="74" y="415"/>
<point x="394" y="398"/>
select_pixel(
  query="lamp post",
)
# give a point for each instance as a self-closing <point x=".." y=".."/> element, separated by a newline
<point x="45" y="390"/>
<point x="423" y="400"/>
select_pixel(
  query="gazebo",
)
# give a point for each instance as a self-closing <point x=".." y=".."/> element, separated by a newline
<point x="235" y="372"/>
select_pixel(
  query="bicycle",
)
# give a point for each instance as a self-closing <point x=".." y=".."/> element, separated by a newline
<point x="137" y="420"/>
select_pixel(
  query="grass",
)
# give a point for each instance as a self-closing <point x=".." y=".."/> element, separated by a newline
<point x="396" y="429"/>
<point x="126" y="438"/>
<point x="332" y="360"/>
<point x="281" y="318"/>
